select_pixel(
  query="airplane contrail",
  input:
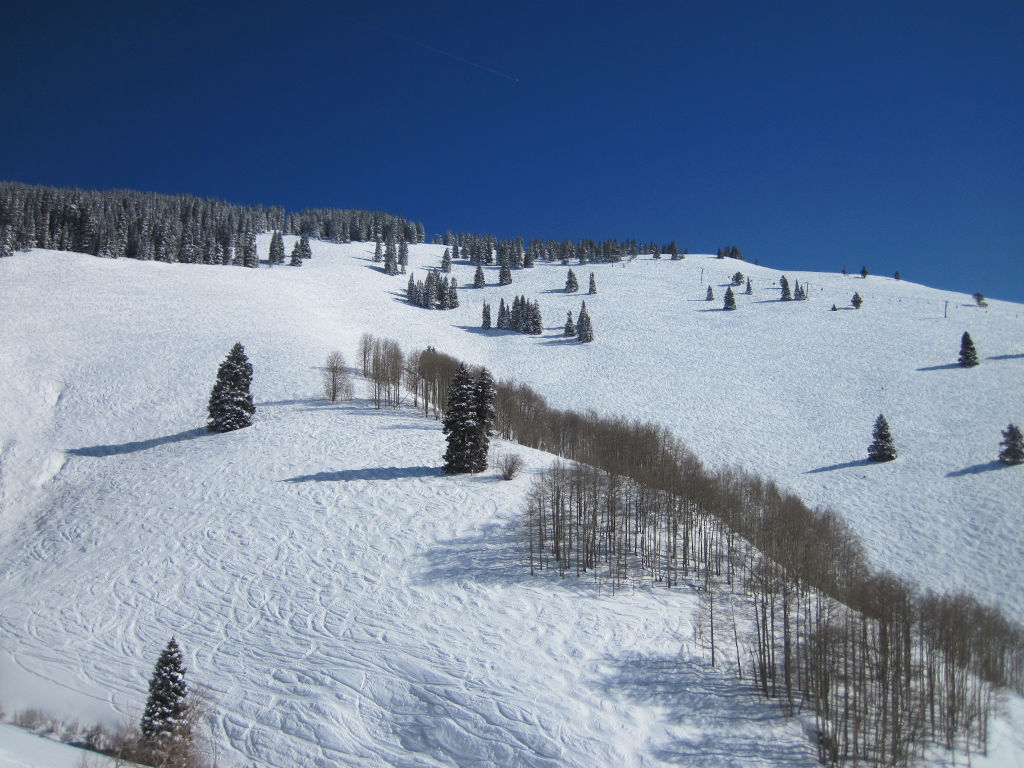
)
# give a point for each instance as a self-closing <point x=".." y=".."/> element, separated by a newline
<point x="450" y="55"/>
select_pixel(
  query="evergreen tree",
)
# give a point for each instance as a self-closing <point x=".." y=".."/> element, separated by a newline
<point x="710" y="295"/>
<point x="504" y="322"/>
<point x="446" y="261"/>
<point x="403" y="255"/>
<point x="750" y="288"/>
<point x="515" y="318"/>
<point x="231" y="404"/>
<point x="730" y="300"/>
<point x="882" y="448"/>
<point x="250" y="257"/>
<point x="460" y="424"/>
<point x="276" y="248"/>
<point x="570" y="326"/>
<point x="534" y="323"/>
<point x="593" y="284"/>
<point x="378" y="254"/>
<point x="164" y="716"/>
<point x="296" y="260"/>
<point x="571" y="286"/>
<point x="486" y="323"/>
<point x="968" y="354"/>
<point x="1012" y="446"/>
<point x="453" y="295"/>
<point x="784" y="284"/>
<point x="483" y="397"/>
<point x="584" y="328"/>
<point x="737" y="279"/>
<point x="856" y="301"/>
<point x="478" y="277"/>
<point x="412" y="292"/>
<point x="864" y="272"/>
<point x="443" y="294"/>
<point x="504" y="275"/>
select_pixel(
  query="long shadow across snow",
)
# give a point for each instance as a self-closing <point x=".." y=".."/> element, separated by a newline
<point x="117" y="449"/>
<point x="977" y="469"/>
<point x="844" y="465"/>
<point x="724" y="721"/>
<point x="367" y="473"/>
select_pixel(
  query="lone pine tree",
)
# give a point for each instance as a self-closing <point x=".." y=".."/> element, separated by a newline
<point x="882" y="447"/>
<point x="460" y="424"/>
<point x="231" y="404"/>
<point x="164" y="717"/>
<point x="1012" y="446"/>
<point x="593" y="285"/>
<point x="968" y="354"/>
<point x="571" y="286"/>
<point x="730" y="300"/>
<point x="856" y="301"/>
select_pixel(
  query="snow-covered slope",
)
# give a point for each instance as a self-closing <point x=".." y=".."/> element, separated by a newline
<point x="347" y="603"/>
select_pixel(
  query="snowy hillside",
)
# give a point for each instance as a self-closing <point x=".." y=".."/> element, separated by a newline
<point x="347" y="603"/>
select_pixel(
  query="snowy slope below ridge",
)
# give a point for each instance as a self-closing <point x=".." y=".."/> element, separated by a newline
<point x="346" y="603"/>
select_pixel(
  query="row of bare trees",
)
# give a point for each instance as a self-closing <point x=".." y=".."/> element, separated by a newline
<point x="885" y="668"/>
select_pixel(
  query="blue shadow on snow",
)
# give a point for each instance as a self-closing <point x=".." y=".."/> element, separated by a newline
<point x="368" y="473"/>
<point x="98" y="451"/>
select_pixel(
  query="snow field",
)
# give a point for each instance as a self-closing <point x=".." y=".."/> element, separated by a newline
<point x="346" y="603"/>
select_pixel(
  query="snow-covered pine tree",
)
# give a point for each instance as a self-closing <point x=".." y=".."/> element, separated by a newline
<point x="486" y="320"/>
<point x="164" y="717"/>
<point x="750" y="288"/>
<point x="571" y="286"/>
<point x="478" y="277"/>
<point x="296" y="260"/>
<point x="968" y="354"/>
<point x="856" y="301"/>
<point x="378" y="253"/>
<point x="446" y="261"/>
<point x="882" y="447"/>
<point x="515" y="317"/>
<point x="483" y="396"/>
<point x="584" y="328"/>
<point x="306" y="250"/>
<point x="276" y="248"/>
<point x="443" y="295"/>
<point x="570" y="326"/>
<point x="460" y="424"/>
<point x="593" y="284"/>
<point x="737" y="279"/>
<point x="504" y="275"/>
<point x="784" y="285"/>
<point x="1012" y="446"/>
<point x="230" y="405"/>
<point x="412" y="290"/>
<point x="403" y="254"/>
<point x="250" y="256"/>
<point x="730" y="300"/>
<point x="710" y="295"/>
<point x="453" y="294"/>
<point x="534" y="322"/>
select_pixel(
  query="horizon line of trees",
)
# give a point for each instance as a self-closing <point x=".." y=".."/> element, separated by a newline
<point x="187" y="229"/>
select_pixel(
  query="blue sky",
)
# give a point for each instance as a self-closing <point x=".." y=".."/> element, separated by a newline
<point x="813" y="135"/>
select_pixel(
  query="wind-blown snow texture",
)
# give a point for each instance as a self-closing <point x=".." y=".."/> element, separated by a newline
<point x="347" y="603"/>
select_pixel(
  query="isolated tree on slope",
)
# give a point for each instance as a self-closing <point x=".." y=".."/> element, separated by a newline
<point x="968" y="354"/>
<point x="730" y="300"/>
<point x="856" y="301"/>
<point x="786" y="293"/>
<point x="882" y="447"/>
<point x="584" y="328"/>
<point x="1012" y="446"/>
<point x="165" y="715"/>
<point x="230" y="404"/>
<point x="593" y="284"/>
<point x="710" y="295"/>
<point x="571" y="286"/>
<point x="460" y="425"/>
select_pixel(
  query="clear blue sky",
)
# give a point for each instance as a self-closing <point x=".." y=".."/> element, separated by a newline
<point x="811" y="134"/>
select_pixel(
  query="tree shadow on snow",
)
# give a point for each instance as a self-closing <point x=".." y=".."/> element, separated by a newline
<point x="946" y="367"/>
<point x="1005" y="357"/>
<point x="977" y="469"/>
<point x="368" y="473"/>
<point x="491" y="555"/>
<point x="844" y="465"/>
<point x="724" y="721"/>
<point x="98" y="451"/>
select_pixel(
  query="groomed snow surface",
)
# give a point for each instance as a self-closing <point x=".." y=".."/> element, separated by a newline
<point x="348" y="604"/>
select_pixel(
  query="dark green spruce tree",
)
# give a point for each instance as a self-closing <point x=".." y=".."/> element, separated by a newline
<point x="584" y="328"/>
<point x="478" y="277"/>
<point x="730" y="300"/>
<point x="483" y="398"/>
<point x="231" y="404"/>
<point x="968" y="354"/>
<point x="164" y="717"/>
<point x="276" y="248"/>
<point x="1012" y="446"/>
<point x="882" y="447"/>
<point x="460" y="425"/>
<point x="571" y="286"/>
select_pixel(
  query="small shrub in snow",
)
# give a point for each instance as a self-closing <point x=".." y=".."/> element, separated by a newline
<point x="510" y="465"/>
